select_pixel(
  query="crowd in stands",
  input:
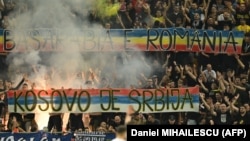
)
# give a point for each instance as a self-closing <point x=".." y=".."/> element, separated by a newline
<point x="223" y="79"/>
<point x="196" y="14"/>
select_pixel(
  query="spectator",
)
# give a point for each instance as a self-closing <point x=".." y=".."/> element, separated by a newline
<point x="225" y="18"/>
<point x="130" y="13"/>
<point x="242" y="117"/>
<point x="189" y="76"/>
<point x="229" y="6"/>
<point x="212" y="13"/>
<point x="103" y="127"/>
<point x="219" y="97"/>
<point x="117" y="121"/>
<point x="193" y="11"/>
<point x="166" y="79"/>
<point x="155" y="6"/>
<point x="223" y="115"/>
<point x="149" y="85"/>
<point x="175" y="18"/>
<point x="86" y="122"/>
<point x="55" y="123"/>
<point x="206" y="103"/>
<point x="155" y="81"/>
<point x="18" y="119"/>
<point x="95" y="121"/>
<point x="29" y="122"/>
<point x="141" y="8"/>
<point x="152" y="120"/>
<point x="242" y="11"/>
<point x="196" y="22"/>
<point x="242" y="89"/>
<point x="137" y="119"/>
<point x="14" y="125"/>
<point x="247" y="106"/>
<point x="210" y="74"/>
<point x="171" y="120"/>
<point x="159" y="19"/>
<point x="219" y="5"/>
<point x="121" y="133"/>
<point x="243" y="26"/>
<point x="75" y="122"/>
<point x="210" y="24"/>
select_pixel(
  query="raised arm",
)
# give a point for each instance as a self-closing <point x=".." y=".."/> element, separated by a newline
<point x="190" y="73"/>
<point x="166" y="62"/>
<point x="239" y="87"/>
<point x="186" y="9"/>
<point x="213" y="113"/>
<point x="165" y="9"/>
<point x="182" y="72"/>
<point x="147" y="7"/>
<point x="185" y="15"/>
<point x="202" y="85"/>
<point x="205" y="5"/>
<point x="95" y="78"/>
<point x="176" y="67"/>
<point x="234" y="100"/>
<point x="202" y="97"/>
<point x="221" y="83"/>
<point x="120" y="21"/>
<point x="240" y="63"/>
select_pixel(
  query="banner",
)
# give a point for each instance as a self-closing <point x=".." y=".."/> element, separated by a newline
<point x="167" y="39"/>
<point x="104" y="100"/>
<point x="93" y="136"/>
<point x="41" y="136"/>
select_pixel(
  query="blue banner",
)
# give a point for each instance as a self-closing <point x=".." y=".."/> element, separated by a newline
<point x="42" y="136"/>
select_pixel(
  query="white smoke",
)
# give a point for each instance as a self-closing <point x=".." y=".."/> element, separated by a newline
<point x="69" y="67"/>
<point x="69" y="18"/>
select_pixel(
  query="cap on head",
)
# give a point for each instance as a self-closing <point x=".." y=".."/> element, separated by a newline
<point x="171" y="117"/>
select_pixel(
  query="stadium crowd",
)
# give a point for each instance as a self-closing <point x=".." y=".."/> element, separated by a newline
<point x="223" y="79"/>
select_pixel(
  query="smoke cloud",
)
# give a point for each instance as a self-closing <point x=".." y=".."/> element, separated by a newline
<point x="69" y="67"/>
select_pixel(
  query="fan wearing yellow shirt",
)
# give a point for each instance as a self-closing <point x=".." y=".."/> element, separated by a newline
<point x="159" y="18"/>
<point x="243" y="26"/>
